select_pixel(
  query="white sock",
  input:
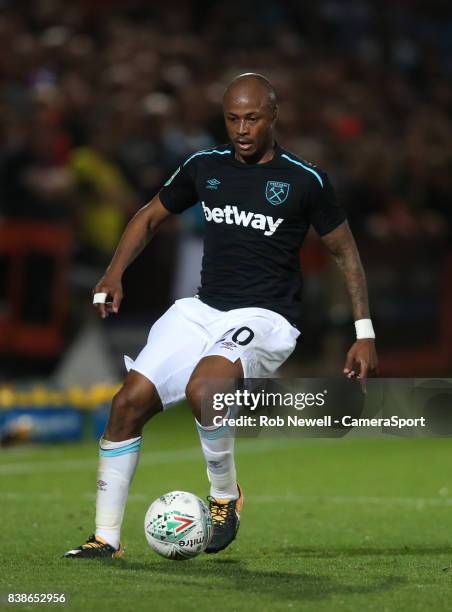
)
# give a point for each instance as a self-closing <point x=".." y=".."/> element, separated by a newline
<point x="117" y="464"/>
<point x="218" y="448"/>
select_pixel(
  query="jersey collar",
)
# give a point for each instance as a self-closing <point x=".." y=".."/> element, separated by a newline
<point x="271" y="162"/>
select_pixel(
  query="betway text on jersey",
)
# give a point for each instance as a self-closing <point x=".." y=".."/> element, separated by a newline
<point x="231" y="215"/>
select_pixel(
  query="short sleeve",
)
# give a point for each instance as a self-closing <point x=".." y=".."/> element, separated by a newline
<point x="179" y="191"/>
<point x="324" y="211"/>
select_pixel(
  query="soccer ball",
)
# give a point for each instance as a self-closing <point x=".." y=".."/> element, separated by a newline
<point x="178" y="525"/>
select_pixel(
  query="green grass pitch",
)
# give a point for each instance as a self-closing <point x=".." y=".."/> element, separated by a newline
<point x="350" y="524"/>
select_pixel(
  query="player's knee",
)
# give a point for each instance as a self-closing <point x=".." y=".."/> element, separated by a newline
<point x="194" y="392"/>
<point x="129" y="412"/>
<point x="120" y="405"/>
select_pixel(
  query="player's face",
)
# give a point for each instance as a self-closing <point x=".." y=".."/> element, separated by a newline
<point x="249" y="123"/>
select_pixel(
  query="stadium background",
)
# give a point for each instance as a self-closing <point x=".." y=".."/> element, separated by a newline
<point x="100" y="101"/>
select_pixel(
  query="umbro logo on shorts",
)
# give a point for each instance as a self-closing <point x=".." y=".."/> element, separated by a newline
<point x="231" y="215"/>
<point x="228" y="345"/>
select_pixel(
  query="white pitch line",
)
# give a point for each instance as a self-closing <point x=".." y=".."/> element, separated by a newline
<point x="76" y="465"/>
<point x="148" y="458"/>
<point x="417" y="503"/>
<point x="363" y="500"/>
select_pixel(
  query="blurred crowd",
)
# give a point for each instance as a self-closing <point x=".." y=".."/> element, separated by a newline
<point x="101" y="99"/>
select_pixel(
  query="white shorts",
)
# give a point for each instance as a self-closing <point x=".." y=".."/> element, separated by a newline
<point x="191" y="330"/>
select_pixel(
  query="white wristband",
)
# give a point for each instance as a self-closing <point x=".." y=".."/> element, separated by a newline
<point x="364" y="329"/>
<point x="100" y="298"/>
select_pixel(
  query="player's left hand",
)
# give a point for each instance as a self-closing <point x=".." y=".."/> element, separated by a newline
<point x="361" y="360"/>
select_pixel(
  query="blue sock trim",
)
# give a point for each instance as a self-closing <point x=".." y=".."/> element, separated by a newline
<point x="134" y="447"/>
<point x="213" y="434"/>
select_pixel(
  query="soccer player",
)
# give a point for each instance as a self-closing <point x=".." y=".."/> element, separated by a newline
<point x="259" y="201"/>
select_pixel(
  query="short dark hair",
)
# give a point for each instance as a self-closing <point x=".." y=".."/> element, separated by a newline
<point x="263" y="81"/>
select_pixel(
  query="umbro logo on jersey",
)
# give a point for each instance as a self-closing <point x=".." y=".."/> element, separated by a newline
<point x="212" y="183"/>
<point x="276" y="192"/>
<point x="231" y="215"/>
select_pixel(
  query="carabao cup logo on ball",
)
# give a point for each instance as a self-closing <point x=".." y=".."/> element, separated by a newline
<point x="171" y="526"/>
<point x="178" y="525"/>
<point x="276" y="192"/>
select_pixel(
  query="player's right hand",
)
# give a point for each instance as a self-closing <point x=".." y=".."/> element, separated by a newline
<point x="113" y="288"/>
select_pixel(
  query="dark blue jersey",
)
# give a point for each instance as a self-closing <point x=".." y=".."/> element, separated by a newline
<point x="257" y="216"/>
